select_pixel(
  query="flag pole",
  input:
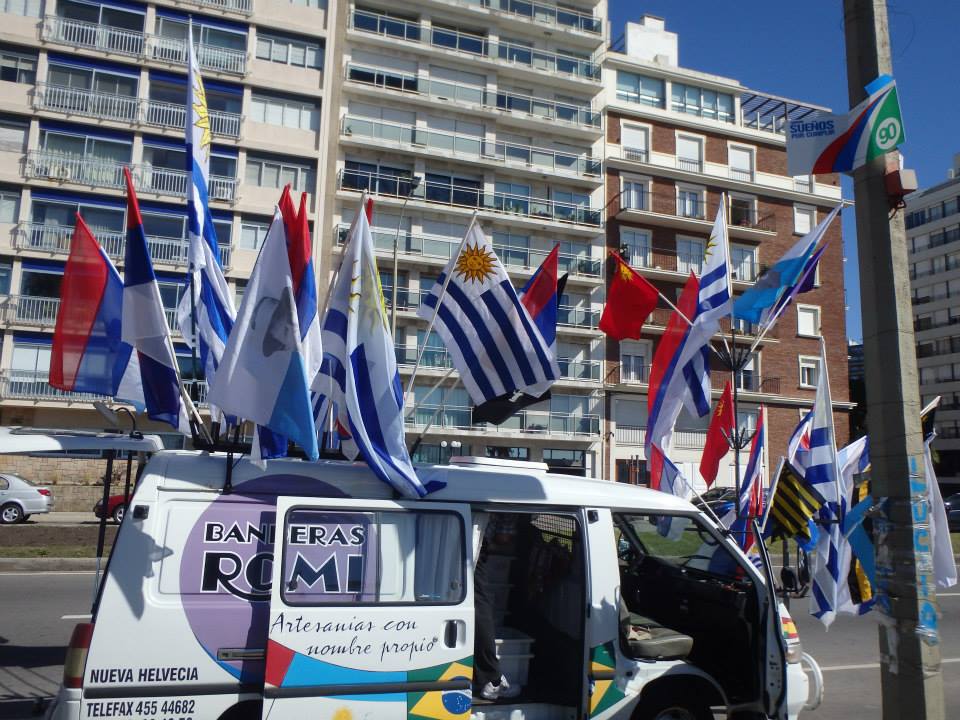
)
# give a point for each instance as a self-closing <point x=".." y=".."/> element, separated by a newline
<point x="833" y="430"/>
<point x="436" y="309"/>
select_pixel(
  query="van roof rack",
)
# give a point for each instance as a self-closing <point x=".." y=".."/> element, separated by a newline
<point x="21" y="440"/>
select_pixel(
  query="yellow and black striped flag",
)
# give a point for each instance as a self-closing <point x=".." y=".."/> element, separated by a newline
<point x="792" y="506"/>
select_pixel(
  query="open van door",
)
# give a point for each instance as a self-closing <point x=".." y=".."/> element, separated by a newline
<point x="371" y="611"/>
<point x="775" y="666"/>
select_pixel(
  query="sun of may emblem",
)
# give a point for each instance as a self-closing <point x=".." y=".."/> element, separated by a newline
<point x="202" y="117"/>
<point x="475" y="264"/>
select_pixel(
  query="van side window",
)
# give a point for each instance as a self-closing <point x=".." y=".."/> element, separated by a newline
<point x="373" y="557"/>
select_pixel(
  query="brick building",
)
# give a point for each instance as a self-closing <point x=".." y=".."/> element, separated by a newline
<point x="675" y="140"/>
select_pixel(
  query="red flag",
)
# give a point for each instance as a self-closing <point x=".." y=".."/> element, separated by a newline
<point x="630" y="300"/>
<point x="716" y="446"/>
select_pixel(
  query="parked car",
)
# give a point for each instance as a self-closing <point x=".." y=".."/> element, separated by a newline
<point x="952" y="505"/>
<point x="20" y="498"/>
<point x="116" y="507"/>
<point x="718" y="499"/>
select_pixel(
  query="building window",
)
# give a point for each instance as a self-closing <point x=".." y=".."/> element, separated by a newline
<point x="690" y="153"/>
<point x="276" y="173"/>
<point x="18" y="67"/>
<point x="13" y="134"/>
<point x="690" y="255"/>
<point x="450" y="36"/>
<point x="635" y="141"/>
<point x="285" y="112"/>
<point x="288" y="50"/>
<point x="808" y="320"/>
<point x="320" y="4"/>
<point x="741" y="163"/>
<point x="636" y="194"/>
<point x="809" y="371"/>
<point x="566" y="461"/>
<point x="701" y="102"/>
<point x="25" y="8"/>
<point x="639" y="89"/>
<point x="6" y="270"/>
<point x="41" y="283"/>
<point x="9" y="205"/>
<point x="690" y="202"/>
<point x="804" y="218"/>
<point x="743" y="259"/>
<point x="508" y="453"/>
<point x="252" y="234"/>
<point x="635" y="358"/>
<point x="636" y="248"/>
<point x="743" y="210"/>
<point x="29" y="359"/>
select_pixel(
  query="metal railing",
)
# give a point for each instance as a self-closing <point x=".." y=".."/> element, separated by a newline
<point x="741" y="174"/>
<point x="471" y="44"/>
<point x="638" y="198"/>
<point x="79" y="169"/>
<point x="579" y="369"/>
<point x="470" y="197"/>
<point x="433" y="357"/>
<point x="547" y="14"/>
<point x="690" y="164"/>
<point x="127" y="108"/>
<point x="31" y="310"/>
<point x="518" y="103"/>
<point x="239" y="6"/>
<point x="56" y="239"/>
<point x="172" y="115"/>
<point x="577" y="317"/>
<point x="27" y="385"/>
<point x="442" y="247"/>
<point x="167" y="181"/>
<point x="526" y="421"/>
<point x="136" y="43"/>
<point x="74" y="101"/>
<point x="538" y="159"/>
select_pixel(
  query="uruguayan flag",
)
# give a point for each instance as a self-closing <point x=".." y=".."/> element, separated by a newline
<point x="823" y="474"/>
<point x="144" y="325"/>
<point x="358" y="376"/>
<point x="211" y="297"/>
<point x="262" y="377"/>
<point x="494" y="343"/>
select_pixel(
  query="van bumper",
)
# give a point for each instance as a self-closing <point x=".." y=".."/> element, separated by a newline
<point x="65" y="706"/>
<point x="798" y="689"/>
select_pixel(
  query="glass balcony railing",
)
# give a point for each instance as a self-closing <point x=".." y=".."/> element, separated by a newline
<point x="565" y="18"/>
<point x="477" y="45"/>
<point x="579" y="369"/>
<point x="577" y="317"/>
<point x="455" y="417"/>
<point x="56" y="239"/>
<point x="537" y="159"/>
<point x="454" y="195"/>
<point x="127" y="108"/>
<point x="33" y="385"/>
<point x="515" y="103"/>
<point x="136" y="43"/>
<point x="694" y="208"/>
<point x="436" y="246"/>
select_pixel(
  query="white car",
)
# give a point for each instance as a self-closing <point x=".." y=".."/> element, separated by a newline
<point x="20" y="498"/>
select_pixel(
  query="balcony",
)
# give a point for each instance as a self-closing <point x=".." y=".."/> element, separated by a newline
<point x="515" y="104"/>
<point x="433" y="357"/>
<point x="127" y="109"/>
<point x="97" y="172"/>
<point x="689" y="213"/>
<point x="243" y="7"/>
<point x="529" y="158"/>
<point x="477" y="45"/>
<point x="32" y="311"/>
<point x="542" y="422"/>
<point x="35" y="386"/>
<point x="634" y="436"/>
<point x="56" y="239"/>
<point x="470" y="197"/>
<point x="544" y="14"/>
<point x="577" y="317"/>
<point x="137" y="44"/>
<point x="580" y="370"/>
<point x="442" y="248"/>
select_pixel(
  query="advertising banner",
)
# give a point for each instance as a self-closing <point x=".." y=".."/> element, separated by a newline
<point x="823" y="143"/>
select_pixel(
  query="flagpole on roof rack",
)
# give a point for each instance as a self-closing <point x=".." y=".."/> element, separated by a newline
<point x="436" y="309"/>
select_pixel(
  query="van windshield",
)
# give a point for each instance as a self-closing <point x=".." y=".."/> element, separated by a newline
<point x="675" y="541"/>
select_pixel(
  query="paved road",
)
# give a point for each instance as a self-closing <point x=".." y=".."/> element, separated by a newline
<point x="33" y="637"/>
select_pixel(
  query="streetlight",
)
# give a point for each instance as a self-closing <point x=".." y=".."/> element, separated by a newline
<point x="414" y="184"/>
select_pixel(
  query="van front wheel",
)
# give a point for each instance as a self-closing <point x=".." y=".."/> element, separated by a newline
<point x="672" y="707"/>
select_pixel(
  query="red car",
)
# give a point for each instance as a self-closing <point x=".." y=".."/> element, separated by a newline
<point x="116" y="507"/>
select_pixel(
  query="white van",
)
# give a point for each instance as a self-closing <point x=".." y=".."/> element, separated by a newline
<point x="309" y="591"/>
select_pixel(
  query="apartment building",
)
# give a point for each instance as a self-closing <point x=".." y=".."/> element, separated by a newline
<point x="677" y="141"/>
<point x="933" y="236"/>
<point x="455" y="108"/>
<point x="88" y="87"/>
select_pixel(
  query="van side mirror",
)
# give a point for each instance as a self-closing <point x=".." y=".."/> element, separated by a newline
<point x="788" y="578"/>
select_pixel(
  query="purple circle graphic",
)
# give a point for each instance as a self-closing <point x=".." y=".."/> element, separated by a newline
<point x="226" y="568"/>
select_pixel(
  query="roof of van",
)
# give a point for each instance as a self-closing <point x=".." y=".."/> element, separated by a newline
<point x="22" y="440"/>
<point x="466" y="482"/>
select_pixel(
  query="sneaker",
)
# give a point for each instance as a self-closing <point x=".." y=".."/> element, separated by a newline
<point x="490" y="691"/>
<point x="506" y="689"/>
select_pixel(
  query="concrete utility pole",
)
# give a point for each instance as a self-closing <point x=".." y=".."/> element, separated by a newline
<point x="906" y="602"/>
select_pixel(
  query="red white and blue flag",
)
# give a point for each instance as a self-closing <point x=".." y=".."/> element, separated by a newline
<point x="88" y="353"/>
<point x="666" y="477"/>
<point x="145" y="325"/>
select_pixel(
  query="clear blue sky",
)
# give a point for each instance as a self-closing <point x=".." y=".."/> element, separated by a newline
<point x="797" y="50"/>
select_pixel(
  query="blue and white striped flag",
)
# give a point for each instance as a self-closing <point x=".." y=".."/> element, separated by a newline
<point x="358" y="375"/>
<point x="211" y="298"/>
<point x="823" y="474"/>
<point x="494" y="344"/>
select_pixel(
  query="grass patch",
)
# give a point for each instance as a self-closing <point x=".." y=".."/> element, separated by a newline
<point x="52" y="551"/>
<point x="955" y="540"/>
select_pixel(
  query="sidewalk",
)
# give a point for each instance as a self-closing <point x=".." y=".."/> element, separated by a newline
<point x="65" y="518"/>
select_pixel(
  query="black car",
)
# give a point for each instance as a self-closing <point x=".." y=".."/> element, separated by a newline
<point x="952" y="506"/>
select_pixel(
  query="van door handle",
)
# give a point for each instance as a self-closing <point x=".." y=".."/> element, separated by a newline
<point x="451" y="633"/>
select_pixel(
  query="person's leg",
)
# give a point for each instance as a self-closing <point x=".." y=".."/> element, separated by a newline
<point x="486" y="665"/>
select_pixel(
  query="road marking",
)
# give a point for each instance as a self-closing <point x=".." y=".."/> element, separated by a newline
<point x="873" y="666"/>
<point x="48" y="572"/>
<point x="940" y="595"/>
<point x="77" y="617"/>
